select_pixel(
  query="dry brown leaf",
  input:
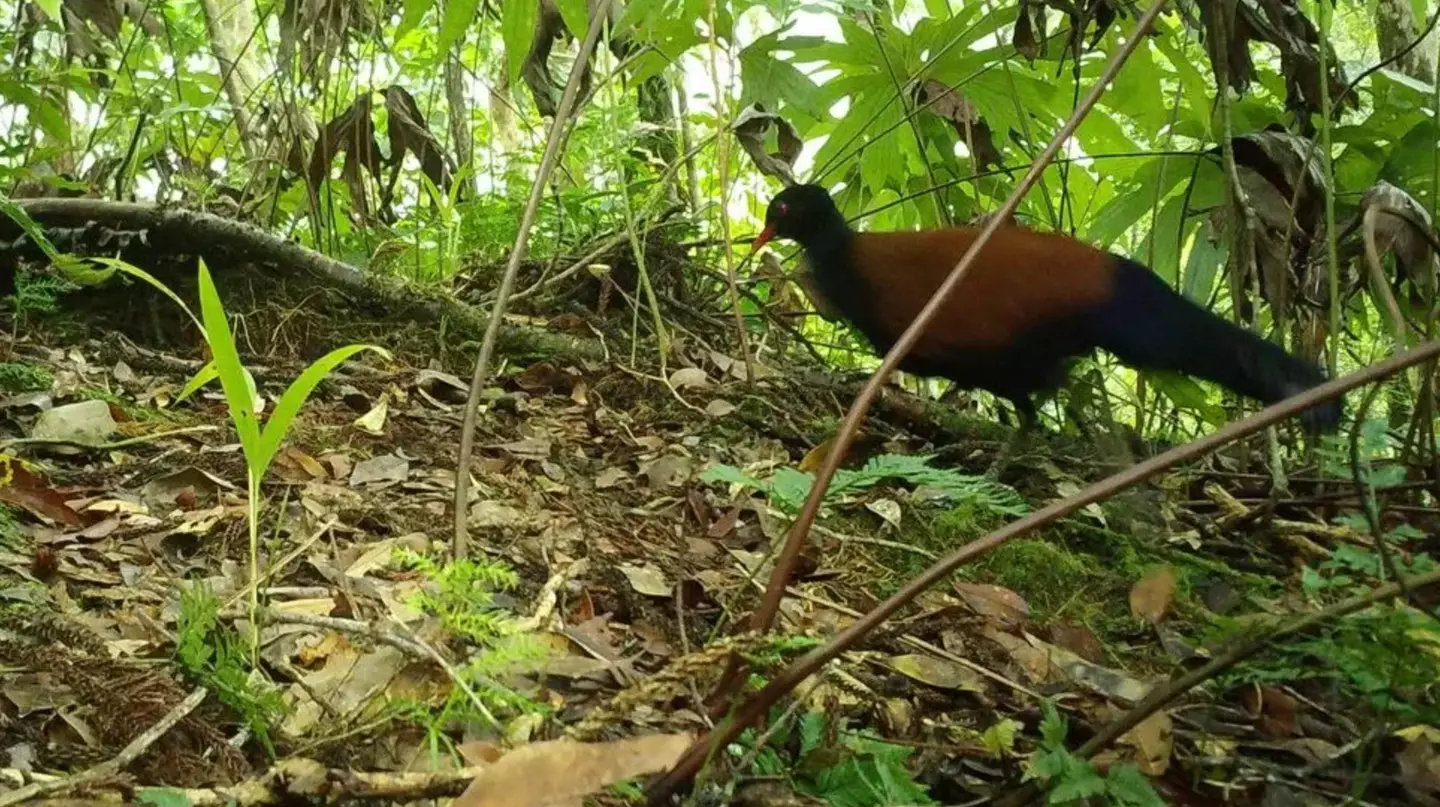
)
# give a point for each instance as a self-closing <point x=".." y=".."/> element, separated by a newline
<point x="1113" y="684"/>
<point x="1002" y="606"/>
<point x="646" y="579"/>
<point x="750" y="127"/>
<point x="1153" y="741"/>
<point x="1420" y="772"/>
<point x="815" y="457"/>
<point x="564" y="771"/>
<point x="24" y="488"/>
<point x="1277" y="711"/>
<point x="1151" y="597"/>
<point x="1079" y="640"/>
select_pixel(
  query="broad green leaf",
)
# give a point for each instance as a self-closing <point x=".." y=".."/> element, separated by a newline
<point x="414" y="13"/>
<point x="1412" y="160"/>
<point x="575" y="15"/>
<point x="198" y="381"/>
<point x="766" y="78"/>
<point x="1137" y="92"/>
<point x="459" y="15"/>
<point x="33" y="231"/>
<point x="295" y="395"/>
<point x="51" y="8"/>
<point x="1203" y="266"/>
<point x="45" y="110"/>
<point x="1164" y="239"/>
<point x="1186" y="393"/>
<point x="731" y="474"/>
<point x="1136" y="199"/>
<point x="1100" y="133"/>
<point x="163" y="797"/>
<point x="239" y="388"/>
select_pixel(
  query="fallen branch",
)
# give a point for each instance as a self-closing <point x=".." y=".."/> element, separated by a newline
<point x="217" y="237"/>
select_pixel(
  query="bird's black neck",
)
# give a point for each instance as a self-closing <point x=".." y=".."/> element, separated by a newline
<point x="828" y="250"/>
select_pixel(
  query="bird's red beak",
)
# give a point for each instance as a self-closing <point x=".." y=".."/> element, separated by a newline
<point x="762" y="239"/>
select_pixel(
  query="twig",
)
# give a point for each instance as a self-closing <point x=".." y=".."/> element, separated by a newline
<point x="127" y="755"/>
<point x="558" y="127"/>
<point x="107" y="446"/>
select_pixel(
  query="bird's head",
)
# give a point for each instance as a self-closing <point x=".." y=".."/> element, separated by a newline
<point x="798" y="213"/>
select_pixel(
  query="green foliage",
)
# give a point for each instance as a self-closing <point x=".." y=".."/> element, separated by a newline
<point x="462" y="594"/>
<point x="1071" y="780"/>
<point x="163" y="797"/>
<point x="10" y="535"/>
<point x="16" y="376"/>
<point x="788" y="487"/>
<point x="214" y="655"/>
<point x="36" y="293"/>
<point x="857" y="772"/>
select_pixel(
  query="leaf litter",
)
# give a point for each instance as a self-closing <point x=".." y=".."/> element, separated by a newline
<point x="633" y="563"/>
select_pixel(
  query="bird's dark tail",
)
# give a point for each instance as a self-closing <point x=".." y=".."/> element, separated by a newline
<point x="1149" y="325"/>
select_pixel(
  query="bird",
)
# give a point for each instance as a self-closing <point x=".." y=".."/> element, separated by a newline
<point x="1031" y="303"/>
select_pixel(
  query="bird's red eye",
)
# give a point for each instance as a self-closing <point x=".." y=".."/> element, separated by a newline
<point x="782" y="208"/>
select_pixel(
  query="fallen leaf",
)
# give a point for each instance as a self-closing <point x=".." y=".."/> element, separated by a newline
<point x="565" y="771"/>
<point x="609" y="478"/>
<point x="1420" y="772"/>
<point x="647" y="579"/>
<point x="490" y="513"/>
<point x="1001" y="605"/>
<point x="530" y="447"/>
<point x="719" y="408"/>
<point x="667" y="470"/>
<point x="689" y="377"/>
<point x="1151" y="597"/>
<point x="887" y="509"/>
<point x="815" y="457"/>
<point x="1111" y="683"/>
<point x="1153" y="741"/>
<point x="937" y="672"/>
<point x="1079" y="640"/>
<point x="1277" y="711"/>
<point x="385" y="469"/>
<point x="374" y="420"/>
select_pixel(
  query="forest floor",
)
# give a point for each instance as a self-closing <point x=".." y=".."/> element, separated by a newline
<point x="636" y="508"/>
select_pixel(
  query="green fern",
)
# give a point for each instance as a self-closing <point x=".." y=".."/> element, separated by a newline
<point x="788" y="488"/>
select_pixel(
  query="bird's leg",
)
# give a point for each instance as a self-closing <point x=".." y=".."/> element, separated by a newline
<point x="1029" y="420"/>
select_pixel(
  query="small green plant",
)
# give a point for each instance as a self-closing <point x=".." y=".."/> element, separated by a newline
<point x="259" y="443"/>
<point x="214" y="655"/>
<point x="36" y="293"/>
<point x="23" y="377"/>
<point x="853" y="771"/>
<point x="788" y="487"/>
<point x="10" y="536"/>
<point x="1068" y="779"/>
<point x="461" y="595"/>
